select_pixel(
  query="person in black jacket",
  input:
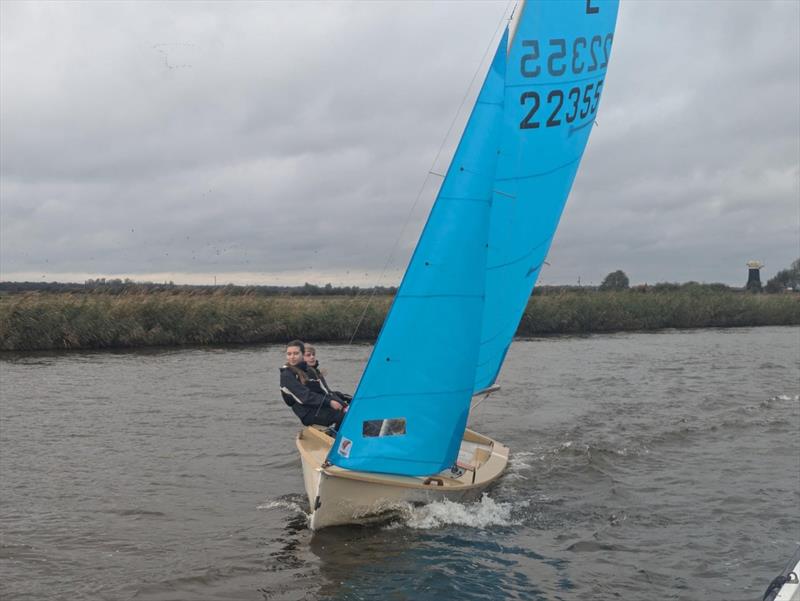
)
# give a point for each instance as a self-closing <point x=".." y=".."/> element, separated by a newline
<point x="317" y="373"/>
<point x="306" y="391"/>
<point x="310" y="357"/>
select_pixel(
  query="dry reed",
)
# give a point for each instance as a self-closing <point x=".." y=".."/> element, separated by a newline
<point x="34" y="321"/>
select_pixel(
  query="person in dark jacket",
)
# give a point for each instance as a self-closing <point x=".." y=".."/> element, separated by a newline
<point x="314" y="369"/>
<point x="310" y="357"/>
<point x="306" y="391"/>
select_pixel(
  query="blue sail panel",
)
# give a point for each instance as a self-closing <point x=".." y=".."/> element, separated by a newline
<point x="410" y="410"/>
<point x="555" y="76"/>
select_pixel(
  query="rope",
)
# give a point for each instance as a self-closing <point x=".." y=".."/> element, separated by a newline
<point x="430" y="171"/>
<point x="486" y="396"/>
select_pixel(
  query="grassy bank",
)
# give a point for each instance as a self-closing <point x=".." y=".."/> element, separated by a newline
<point x="32" y="321"/>
<point x="628" y="310"/>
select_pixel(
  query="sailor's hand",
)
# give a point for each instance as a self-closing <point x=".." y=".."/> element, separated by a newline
<point x="336" y="405"/>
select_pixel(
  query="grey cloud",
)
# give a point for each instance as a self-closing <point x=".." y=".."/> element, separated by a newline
<point x="293" y="138"/>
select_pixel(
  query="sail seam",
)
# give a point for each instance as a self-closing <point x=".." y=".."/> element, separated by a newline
<point x="466" y="199"/>
<point x="521" y="258"/>
<point x="543" y="173"/>
<point x="502" y="330"/>
<point x="527" y="84"/>
<point x="574" y="128"/>
<point x="409" y="394"/>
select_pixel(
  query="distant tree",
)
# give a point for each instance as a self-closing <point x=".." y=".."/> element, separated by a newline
<point x="616" y="280"/>
<point x="785" y="278"/>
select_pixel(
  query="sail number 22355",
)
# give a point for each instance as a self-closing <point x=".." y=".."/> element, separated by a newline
<point x="578" y="103"/>
<point x="561" y="57"/>
<point x="563" y="103"/>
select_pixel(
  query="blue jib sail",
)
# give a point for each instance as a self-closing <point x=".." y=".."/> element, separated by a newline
<point x="485" y="241"/>
<point x="556" y="72"/>
<point x="438" y="306"/>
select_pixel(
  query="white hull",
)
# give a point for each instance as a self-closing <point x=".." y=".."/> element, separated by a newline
<point x="338" y="496"/>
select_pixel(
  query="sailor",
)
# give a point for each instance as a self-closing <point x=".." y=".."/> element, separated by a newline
<point x="310" y="357"/>
<point x="318" y="374"/>
<point x="306" y="391"/>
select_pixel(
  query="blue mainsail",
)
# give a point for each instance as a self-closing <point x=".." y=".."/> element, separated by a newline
<point x="439" y="305"/>
<point x="481" y="250"/>
<point x="556" y="70"/>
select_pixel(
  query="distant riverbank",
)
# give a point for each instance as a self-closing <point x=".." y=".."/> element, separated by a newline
<point x="47" y="321"/>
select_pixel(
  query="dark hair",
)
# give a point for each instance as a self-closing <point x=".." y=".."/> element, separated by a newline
<point x="299" y="344"/>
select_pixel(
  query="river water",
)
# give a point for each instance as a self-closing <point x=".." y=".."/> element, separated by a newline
<point x="644" y="466"/>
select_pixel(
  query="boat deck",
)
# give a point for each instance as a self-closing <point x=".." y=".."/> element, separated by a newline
<point x="476" y="452"/>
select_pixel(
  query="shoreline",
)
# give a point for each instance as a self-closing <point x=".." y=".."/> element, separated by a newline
<point x="62" y="321"/>
<point x="11" y="354"/>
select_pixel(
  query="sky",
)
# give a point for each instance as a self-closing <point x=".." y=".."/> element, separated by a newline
<point x="289" y="142"/>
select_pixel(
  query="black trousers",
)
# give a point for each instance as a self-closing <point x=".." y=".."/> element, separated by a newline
<point x="326" y="416"/>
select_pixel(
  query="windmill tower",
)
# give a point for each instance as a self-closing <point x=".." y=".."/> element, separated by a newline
<point x="754" y="276"/>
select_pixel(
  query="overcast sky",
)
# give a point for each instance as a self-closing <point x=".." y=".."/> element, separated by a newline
<point x="280" y="143"/>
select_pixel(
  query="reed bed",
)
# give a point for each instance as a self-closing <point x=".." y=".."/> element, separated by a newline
<point x="627" y="310"/>
<point x="63" y="321"/>
<point x="37" y="321"/>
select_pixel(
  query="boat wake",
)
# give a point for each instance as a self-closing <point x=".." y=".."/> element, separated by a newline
<point x="481" y="514"/>
<point x="287" y="503"/>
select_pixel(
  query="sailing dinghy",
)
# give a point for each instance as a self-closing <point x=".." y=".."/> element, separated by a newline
<point x="404" y="438"/>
